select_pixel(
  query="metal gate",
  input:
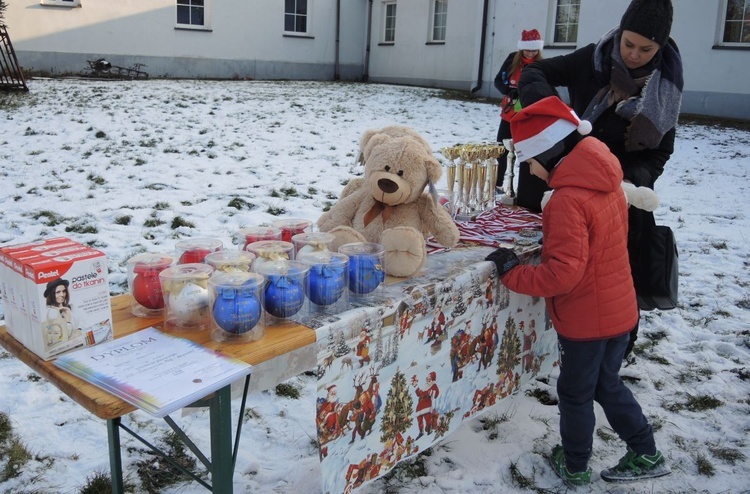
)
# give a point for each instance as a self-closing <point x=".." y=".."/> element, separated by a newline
<point x="11" y="75"/>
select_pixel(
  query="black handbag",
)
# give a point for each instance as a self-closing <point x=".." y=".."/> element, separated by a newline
<point x="656" y="283"/>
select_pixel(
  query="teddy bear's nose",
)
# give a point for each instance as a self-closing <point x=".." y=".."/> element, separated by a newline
<point x="387" y="185"/>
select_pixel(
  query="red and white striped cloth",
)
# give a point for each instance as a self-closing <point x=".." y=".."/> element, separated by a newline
<point x="501" y="225"/>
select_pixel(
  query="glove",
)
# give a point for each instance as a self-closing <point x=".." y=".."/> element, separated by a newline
<point x="504" y="259"/>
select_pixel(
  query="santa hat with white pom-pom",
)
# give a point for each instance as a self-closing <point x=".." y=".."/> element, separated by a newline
<point x="541" y="126"/>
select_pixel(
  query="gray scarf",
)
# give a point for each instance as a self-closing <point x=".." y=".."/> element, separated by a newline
<point x="652" y="109"/>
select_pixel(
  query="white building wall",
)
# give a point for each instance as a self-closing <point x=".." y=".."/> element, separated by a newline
<point x="411" y="60"/>
<point x="246" y="40"/>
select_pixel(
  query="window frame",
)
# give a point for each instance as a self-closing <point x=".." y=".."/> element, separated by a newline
<point x="435" y="14"/>
<point x="60" y="3"/>
<point x="386" y="29"/>
<point x="723" y="21"/>
<point x="554" y="26"/>
<point x="308" y="19"/>
<point x="206" y="26"/>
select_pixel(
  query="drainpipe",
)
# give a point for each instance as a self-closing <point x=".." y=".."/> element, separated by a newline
<point x="336" y="73"/>
<point x="366" y="74"/>
<point x="481" y="48"/>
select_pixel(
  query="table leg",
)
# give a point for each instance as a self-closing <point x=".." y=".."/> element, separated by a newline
<point x="115" y="460"/>
<point x="222" y="466"/>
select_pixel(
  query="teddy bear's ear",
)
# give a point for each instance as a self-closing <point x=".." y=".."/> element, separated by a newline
<point x="434" y="169"/>
<point x="366" y="136"/>
<point x="374" y="141"/>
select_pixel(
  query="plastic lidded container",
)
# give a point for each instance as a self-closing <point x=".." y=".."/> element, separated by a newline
<point x="270" y="250"/>
<point x="230" y="261"/>
<point x="193" y="250"/>
<point x="366" y="267"/>
<point x="186" y="301"/>
<point x="257" y="233"/>
<point x="312" y="242"/>
<point x="327" y="281"/>
<point x="236" y="300"/>
<point x="292" y="226"/>
<point x="284" y="290"/>
<point x="147" y="299"/>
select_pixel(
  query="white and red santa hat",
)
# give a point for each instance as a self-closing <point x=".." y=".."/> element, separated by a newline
<point x="538" y="127"/>
<point x="432" y="376"/>
<point x="530" y="40"/>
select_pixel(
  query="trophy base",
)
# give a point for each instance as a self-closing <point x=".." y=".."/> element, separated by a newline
<point x="509" y="200"/>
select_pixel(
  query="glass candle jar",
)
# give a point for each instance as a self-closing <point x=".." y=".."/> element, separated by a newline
<point x="147" y="299"/>
<point x="256" y="234"/>
<point x="366" y="266"/>
<point x="236" y="306"/>
<point x="185" y="290"/>
<point x="292" y="226"/>
<point x="192" y="250"/>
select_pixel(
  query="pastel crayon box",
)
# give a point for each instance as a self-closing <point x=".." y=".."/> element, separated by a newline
<point x="55" y="295"/>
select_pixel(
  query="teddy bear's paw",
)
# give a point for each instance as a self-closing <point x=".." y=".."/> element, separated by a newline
<point x="405" y="251"/>
<point x="345" y="235"/>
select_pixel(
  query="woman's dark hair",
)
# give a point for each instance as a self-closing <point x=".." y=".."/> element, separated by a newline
<point x="49" y="292"/>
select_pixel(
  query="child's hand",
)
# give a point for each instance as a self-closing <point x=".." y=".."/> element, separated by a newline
<point x="504" y="259"/>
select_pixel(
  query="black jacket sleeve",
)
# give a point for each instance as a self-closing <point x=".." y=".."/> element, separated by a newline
<point x="573" y="71"/>
<point x="502" y="77"/>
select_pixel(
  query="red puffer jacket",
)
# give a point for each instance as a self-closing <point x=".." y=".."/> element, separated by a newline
<point x="584" y="274"/>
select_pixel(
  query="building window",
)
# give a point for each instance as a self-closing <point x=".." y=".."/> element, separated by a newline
<point x="389" y="34"/>
<point x="191" y="13"/>
<point x="439" y="19"/>
<point x="61" y="3"/>
<point x="737" y="22"/>
<point x="566" y="21"/>
<point x="296" y="16"/>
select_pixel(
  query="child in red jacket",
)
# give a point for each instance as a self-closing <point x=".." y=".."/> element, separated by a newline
<point x="585" y="278"/>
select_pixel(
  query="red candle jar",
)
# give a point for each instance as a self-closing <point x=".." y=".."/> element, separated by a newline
<point x="292" y="226"/>
<point x="195" y="250"/>
<point x="256" y="234"/>
<point x="144" y="285"/>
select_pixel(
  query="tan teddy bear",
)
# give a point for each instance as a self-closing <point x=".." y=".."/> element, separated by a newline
<point x="389" y="205"/>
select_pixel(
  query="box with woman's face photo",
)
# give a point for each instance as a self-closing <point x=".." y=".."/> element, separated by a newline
<point x="63" y="297"/>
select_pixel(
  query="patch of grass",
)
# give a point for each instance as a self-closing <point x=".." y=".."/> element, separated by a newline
<point x="96" y="179"/>
<point x="289" y="191"/>
<point x="288" y="391"/>
<point x="153" y="222"/>
<point x="240" y="203"/>
<point x="179" y="221"/>
<point x="251" y="414"/>
<point x="6" y="429"/>
<point x="81" y="228"/>
<point x="275" y="211"/>
<point x="100" y="482"/>
<point x="100" y="134"/>
<point x="606" y="436"/>
<point x="699" y="403"/>
<point x="519" y="479"/>
<point x="53" y="219"/>
<point x="123" y="220"/>
<point x="16" y="456"/>
<point x="705" y="467"/>
<point x="728" y="455"/>
<point x="542" y="396"/>
<point x="161" y="206"/>
<point x="156" y="473"/>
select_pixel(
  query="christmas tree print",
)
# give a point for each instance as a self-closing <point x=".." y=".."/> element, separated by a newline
<point x="399" y="405"/>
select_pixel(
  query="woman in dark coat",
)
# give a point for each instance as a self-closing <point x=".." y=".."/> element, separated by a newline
<point x="629" y="86"/>
<point x="506" y="81"/>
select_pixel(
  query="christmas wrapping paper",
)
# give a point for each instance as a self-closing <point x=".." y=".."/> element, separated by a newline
<point x="402" y="372"/>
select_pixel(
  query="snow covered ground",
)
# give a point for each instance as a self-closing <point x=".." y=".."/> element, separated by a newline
<point x="130" y="166"/>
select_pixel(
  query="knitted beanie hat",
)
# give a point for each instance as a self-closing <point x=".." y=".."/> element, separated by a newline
<point x="530" y="40"/>
<point x="649" y="18"/>
<point x="541" y="126"/>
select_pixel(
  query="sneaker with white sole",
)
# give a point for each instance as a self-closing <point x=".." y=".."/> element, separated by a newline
<point x="633" y="467"/>
<point x="571" y="479"/>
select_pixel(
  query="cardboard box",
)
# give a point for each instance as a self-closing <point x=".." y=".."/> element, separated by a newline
<point x="58" y="296"/>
